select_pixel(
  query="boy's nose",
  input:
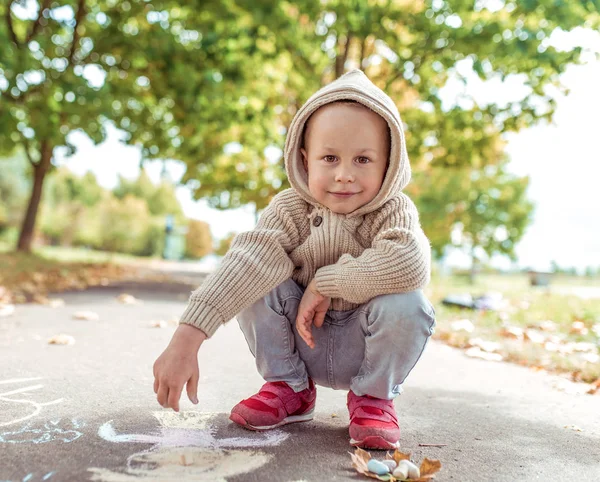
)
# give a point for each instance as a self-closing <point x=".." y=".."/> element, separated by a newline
<point x="344" y="174"/>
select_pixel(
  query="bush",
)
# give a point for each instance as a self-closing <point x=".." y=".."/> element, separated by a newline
<point x="198" y="240"/>
<point x="123" y="225"/>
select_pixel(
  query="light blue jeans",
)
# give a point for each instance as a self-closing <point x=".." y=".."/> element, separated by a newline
<point x="370" y="350"/>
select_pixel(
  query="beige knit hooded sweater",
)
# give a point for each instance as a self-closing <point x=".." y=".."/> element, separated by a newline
<point x="377" y="249"/>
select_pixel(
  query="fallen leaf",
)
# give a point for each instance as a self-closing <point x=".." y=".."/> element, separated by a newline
<point x="398" y="456"/>
<point x="6" y="310"/>
<point x="61" y="340"/>
<point x="595" y="387"/>
<point x="512" y="332"/>
<point x="86" y="315"/>
<point x="127" y="299"/>
<point x="476" y="352"/>
<point x="40" y="299"/>
<point x="574" y="427"/>
<point x="488" y="346"/>
<point x="462" y="325"/>
<point x="579" y="328"/>
<point x="535" y="336"/>
<point x="429" y="468"/>
<point x="547" y="325"/>
<point x="158" y="324"/>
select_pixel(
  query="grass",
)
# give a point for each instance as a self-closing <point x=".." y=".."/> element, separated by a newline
<point x="526" y="307"/>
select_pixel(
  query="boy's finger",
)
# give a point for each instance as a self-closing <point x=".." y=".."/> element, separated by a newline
<point x="156" y="385"/>
<point x="192" y="388"/>
<point x="303" y="332"/>
<point x="163" y="393"/>
<point x="319" y="319"/>
<point x="174" y="396"/>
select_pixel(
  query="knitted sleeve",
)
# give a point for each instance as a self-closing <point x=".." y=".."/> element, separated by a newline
<point x="256" y="262"/>
<point x="398" y="260"/>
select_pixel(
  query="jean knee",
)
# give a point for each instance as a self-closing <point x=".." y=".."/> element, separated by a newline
<point x="274" y="302"/>
<point x="404" y="310"/>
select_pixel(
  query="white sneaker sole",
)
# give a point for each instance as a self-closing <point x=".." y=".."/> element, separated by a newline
<point x="305" y="417"/>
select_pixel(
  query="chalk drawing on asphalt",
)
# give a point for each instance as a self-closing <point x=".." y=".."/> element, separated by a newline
<point x="51" y="431"/>
<point x="186" y="447"/>
<point x="35" y="407"/>
<point x="31" y="477"/>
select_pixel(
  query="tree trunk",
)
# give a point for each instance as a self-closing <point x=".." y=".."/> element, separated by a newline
<point x="39" y="173"/>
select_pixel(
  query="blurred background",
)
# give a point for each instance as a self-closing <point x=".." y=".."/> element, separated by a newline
<point x="135" y="130"/>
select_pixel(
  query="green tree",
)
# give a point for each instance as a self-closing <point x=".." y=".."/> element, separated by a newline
<point x="161" y="199"/>
<point x="167" y="73"/>
<point x="123" y="225"/>
<point x="493" y="213"/>
<point x="411" y="50"/>
<point x="67" y="199"/>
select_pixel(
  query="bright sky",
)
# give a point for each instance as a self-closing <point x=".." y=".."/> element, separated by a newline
<point x="562" y="160"/>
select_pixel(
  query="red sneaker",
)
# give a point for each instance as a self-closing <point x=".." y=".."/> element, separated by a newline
<point x="274" y="405"/>
<point x="373" y="422"/>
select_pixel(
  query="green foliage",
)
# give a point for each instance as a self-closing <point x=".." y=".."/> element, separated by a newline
<point x="410" y="49"/>
<point x="487" y="206"/>
<point x="186" y="79"/>
<point x="198" y="239"/>
<point x="161" y="199"/>
<point x="123" y="224"/>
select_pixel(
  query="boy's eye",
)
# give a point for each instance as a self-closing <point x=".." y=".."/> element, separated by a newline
<point x="363" y="160"/>
<point x="329" y="158"/>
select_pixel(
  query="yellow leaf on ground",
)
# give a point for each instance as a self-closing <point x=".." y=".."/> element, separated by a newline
<point x="398" y="456"/>
<point x="127" y="299"/>
<point x="86" y="315"/>
<point x="429" y="467"/>
<point x="6" y="310"/>
<point x="61" y="340"/>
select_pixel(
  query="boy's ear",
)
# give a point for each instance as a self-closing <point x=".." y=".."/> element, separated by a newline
<point x="304" y="158"/>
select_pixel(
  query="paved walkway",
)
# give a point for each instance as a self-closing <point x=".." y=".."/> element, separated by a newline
<point x="88" y="412"/>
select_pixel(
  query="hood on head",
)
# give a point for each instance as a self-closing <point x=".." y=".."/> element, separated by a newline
<point x="356" y="86"/>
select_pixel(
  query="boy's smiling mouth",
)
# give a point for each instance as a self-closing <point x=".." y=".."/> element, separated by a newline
<point x="343" y="193"/>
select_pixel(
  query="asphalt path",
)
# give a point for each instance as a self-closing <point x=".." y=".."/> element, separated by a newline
<point x="87" y="411"/>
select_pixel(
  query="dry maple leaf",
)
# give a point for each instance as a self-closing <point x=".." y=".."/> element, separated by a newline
<point x="429" y="468"/>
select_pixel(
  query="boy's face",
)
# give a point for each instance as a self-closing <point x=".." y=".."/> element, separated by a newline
<point x="346" y="155"/>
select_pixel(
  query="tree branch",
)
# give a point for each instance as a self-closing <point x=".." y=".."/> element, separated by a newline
<point x="25" y="142"/>
<point x="78" y="18"/>
<point x="37" y="24"/>
<point x="9" y="24"/>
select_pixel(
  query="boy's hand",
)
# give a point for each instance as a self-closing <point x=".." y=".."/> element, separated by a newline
<point x="312" y="309"/>
<point x="178" y="365"/>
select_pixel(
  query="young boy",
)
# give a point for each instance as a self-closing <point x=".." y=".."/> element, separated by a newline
<point x="327" y="287"/>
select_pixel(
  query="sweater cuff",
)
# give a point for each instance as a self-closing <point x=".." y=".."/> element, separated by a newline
<point x="326" y="281"/>
<point x="202" y="316"/>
